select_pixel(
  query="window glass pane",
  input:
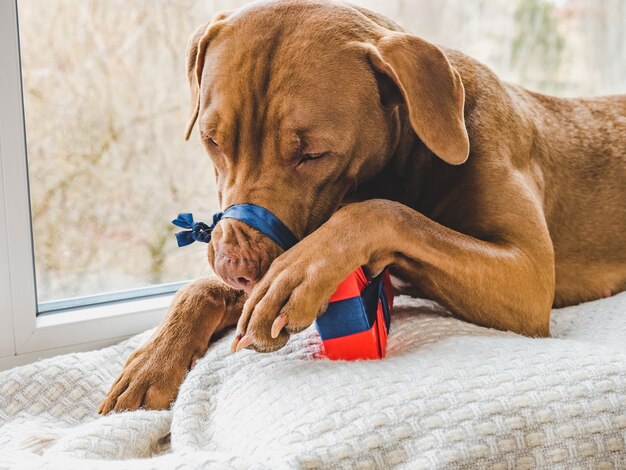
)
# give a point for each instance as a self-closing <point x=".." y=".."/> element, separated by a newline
<point x="106" y="103"/>
<point x="559" y="47"/>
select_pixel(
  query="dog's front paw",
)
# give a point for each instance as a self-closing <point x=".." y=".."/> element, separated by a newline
<point x="291" y="295"/>
<point x="149" y="380"/>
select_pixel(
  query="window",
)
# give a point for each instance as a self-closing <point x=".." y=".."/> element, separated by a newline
<point x="93" y="104"/>
<point x="105" y="105"/>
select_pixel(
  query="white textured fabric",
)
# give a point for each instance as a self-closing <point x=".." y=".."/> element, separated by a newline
<point x="449" y="395"/>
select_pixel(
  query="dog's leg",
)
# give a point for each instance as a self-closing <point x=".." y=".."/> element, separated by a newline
<point x="153" y="372"/>
<point x="499" y="284"/>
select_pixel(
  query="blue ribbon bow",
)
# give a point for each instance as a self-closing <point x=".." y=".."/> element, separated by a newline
<point x="256" y="216"/>
<point x="198" y="231"/>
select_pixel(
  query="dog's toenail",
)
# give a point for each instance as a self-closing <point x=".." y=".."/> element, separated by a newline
<point x="233" y="346"/>
<point x="245" y="342"/>
<point x="278" y="325"/>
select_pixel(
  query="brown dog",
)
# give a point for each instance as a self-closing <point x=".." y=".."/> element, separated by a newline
<point x="495" y="201"/>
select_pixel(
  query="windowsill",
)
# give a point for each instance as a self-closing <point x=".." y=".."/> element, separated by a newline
<point x="118" y="297"/>
<point x="88" y="327"/>
<point x="110" y="310"/>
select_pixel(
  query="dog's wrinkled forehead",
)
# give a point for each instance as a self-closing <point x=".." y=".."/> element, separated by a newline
<point x="249" y="52"/>
<point x="259" y="78"/>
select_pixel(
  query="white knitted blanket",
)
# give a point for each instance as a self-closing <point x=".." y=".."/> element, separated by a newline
<point x="449" y="395"/>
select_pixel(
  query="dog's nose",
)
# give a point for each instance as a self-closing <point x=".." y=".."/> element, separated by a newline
<point x="239" y="273"/>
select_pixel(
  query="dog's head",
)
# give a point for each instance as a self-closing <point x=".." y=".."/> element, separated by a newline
<point x="297" y="102"/>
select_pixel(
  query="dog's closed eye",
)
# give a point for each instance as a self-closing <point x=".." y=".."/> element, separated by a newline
<point x="313" y="156"/>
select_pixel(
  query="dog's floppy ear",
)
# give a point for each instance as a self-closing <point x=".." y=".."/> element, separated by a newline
<point x="431" y="88"/>
<point x="196" y="50"/>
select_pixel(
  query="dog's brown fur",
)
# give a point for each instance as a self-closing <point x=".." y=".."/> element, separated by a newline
<point x="535" y="217"/>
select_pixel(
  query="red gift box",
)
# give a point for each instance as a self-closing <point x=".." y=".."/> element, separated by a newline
<point x="356" y="323"/>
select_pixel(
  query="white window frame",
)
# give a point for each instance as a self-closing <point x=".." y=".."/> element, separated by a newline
<point x="24" y="336"/>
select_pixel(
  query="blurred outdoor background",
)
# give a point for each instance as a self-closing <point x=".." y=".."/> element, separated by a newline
<point x="106" y="103"/>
